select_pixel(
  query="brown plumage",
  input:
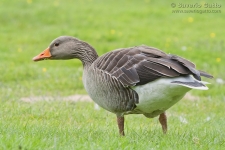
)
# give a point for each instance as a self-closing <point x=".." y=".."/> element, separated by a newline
<point x="141" y="64"/>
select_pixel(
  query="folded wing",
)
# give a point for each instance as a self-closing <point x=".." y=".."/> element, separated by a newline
<point x="140" y="65"/>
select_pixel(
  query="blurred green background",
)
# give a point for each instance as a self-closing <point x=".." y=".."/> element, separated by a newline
<point x="28" y="26"/>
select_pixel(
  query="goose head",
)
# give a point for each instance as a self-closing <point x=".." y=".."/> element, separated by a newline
<point x="67" y="47"/>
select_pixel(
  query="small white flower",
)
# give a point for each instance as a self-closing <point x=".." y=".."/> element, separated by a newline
<point x="183" y="48"/>
<point x="219" y="81"/>
<point x="208" y="118"/>
<point x="183" y="120"/>
<point x="96" y="107"/>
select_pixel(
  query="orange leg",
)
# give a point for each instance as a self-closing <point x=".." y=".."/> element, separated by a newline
<point x="163" y="122"/>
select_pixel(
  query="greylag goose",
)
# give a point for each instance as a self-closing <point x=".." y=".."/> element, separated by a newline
<point x="135" y="80"/>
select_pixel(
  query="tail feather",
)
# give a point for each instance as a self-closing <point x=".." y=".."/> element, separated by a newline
<point x="192" y="85"/>
<point x="191" y="82"/>
<point x="205" y="74"/>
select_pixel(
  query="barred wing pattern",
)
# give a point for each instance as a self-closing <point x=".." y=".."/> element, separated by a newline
<point x="140" y="65"/>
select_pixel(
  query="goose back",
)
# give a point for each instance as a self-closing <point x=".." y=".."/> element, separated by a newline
<point x="139" y="65"/>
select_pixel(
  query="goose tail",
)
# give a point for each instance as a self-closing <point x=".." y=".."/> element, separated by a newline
<point x="192" y="83"/>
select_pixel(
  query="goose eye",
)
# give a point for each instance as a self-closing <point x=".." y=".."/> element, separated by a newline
<point x="56" y="44"/>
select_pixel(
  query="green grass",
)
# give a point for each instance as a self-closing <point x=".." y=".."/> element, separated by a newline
<point x="26" y="29"/>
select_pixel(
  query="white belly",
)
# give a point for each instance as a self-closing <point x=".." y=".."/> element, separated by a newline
<point x="156" y="97"/>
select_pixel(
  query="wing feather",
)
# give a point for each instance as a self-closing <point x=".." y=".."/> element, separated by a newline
<point x="141" y="64"/>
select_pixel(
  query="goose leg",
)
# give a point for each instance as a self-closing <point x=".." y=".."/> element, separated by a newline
<point x="120" y="122"/>
<point x="163" y="122"/>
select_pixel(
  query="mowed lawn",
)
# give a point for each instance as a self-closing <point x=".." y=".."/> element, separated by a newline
<point x="26" y="29"/>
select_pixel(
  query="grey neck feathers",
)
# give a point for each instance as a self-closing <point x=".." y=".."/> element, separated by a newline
<point x="87" y="54"/>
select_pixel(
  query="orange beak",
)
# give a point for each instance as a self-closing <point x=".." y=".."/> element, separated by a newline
<point x="45" y="54"/>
